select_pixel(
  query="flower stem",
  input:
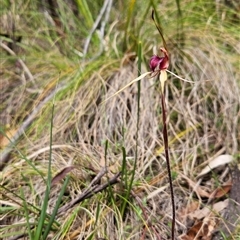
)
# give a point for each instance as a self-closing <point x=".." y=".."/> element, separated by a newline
<point x="165" y="138"/>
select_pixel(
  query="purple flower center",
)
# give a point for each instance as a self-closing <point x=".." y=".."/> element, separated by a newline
<point x="155" y="62"/>
<point x="159" y="63"/>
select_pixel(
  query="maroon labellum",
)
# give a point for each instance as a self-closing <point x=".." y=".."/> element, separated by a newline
<point x="159" y="63"/>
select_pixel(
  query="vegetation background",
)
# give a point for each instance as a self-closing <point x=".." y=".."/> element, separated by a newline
<point x="75" y="54"/>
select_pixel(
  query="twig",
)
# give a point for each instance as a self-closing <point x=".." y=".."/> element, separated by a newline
<point x="92" y="189"/>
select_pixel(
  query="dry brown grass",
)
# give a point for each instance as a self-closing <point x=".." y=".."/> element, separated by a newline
<point x="203" y="120"/>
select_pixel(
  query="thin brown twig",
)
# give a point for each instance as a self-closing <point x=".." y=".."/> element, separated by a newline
<point x="92" y="189"/>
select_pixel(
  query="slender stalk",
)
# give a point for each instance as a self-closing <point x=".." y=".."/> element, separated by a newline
<point x="165" y="138"/>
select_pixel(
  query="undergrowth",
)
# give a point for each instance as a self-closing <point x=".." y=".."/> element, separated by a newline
<point x="76" y="57"/>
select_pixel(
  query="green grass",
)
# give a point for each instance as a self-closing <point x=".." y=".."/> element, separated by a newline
<point x="203" y="40"/>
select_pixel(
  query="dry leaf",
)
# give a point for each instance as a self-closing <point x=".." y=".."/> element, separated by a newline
<point x="200" y="214"/>
<point x="211" y="224"/>
<point x="191" y="207"/>
<point x="204" y="212"/>
<point x="216" y="162"/>
<point x="220" y="191"/>
<point x="194" y="230"/>
<point x="201" y="230"/>
<point x="4" y="140"/>
<point x="184" y="237"/>
<point x="196" y="188"/>
<point x="61" y="174"/>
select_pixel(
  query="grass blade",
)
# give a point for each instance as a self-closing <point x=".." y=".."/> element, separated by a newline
<point x="129" y="15"/>
<point x="26" y="214"/>
<point x="55" y="210"/>
<point x="85" y="11"/>
<point x="48" y="185"/>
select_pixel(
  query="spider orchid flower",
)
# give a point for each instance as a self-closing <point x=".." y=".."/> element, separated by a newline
<point x="160" y="65"/>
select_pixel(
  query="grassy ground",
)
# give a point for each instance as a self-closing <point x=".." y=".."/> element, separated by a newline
<point x="74" y="58"/>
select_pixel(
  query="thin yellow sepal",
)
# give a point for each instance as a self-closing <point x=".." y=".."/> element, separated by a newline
<point x="133" y="81"/>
